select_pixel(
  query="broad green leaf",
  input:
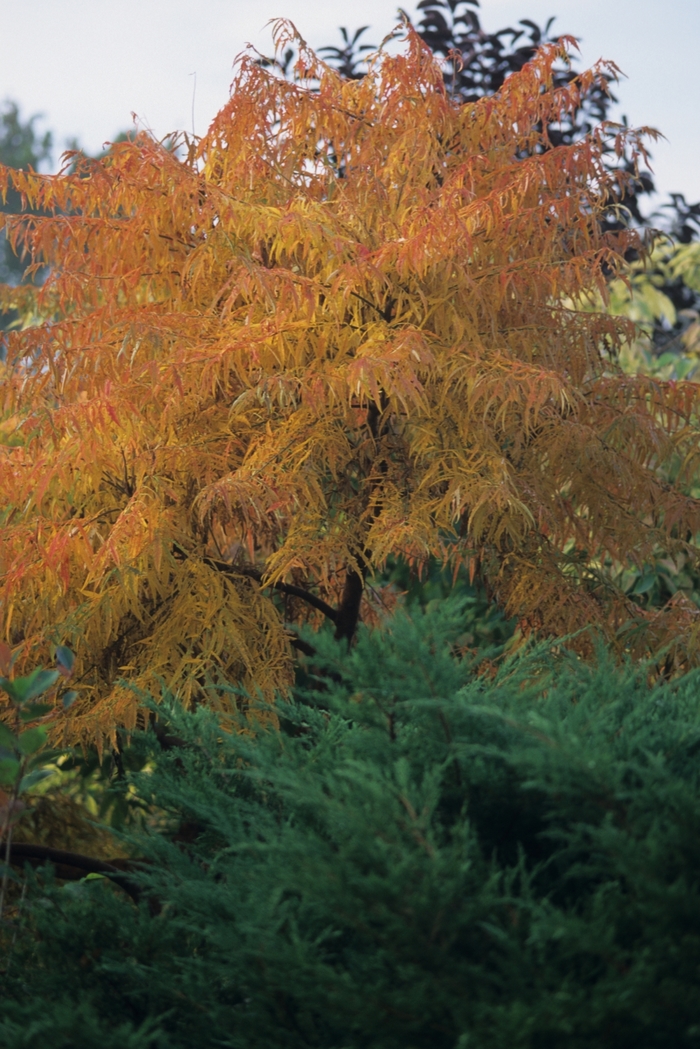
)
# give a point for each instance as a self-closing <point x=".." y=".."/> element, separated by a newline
<point x="7" y="738"/>
<point x="9" y="771"/>
<point x="68" y="699"/>
<point x="35" y="710"/>
<point x="686" y="264"/>
<point x="9" y="686"/>
<point x="65" y="657"/>
<point x="22" y="689"/>
<point x="31" y="740"/>
<point x="657" y="304"/>
<point x="34" y="777"/>
<point x="645" y="583"/>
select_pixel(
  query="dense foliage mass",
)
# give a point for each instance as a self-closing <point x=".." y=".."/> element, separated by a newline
<point x="476" y="63"/>
<point x="336" y="332"/>
<point x="417" y="857"/>
<point x="389" y="316"/>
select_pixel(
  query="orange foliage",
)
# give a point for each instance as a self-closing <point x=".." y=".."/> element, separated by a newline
<point x="340" y="328"/>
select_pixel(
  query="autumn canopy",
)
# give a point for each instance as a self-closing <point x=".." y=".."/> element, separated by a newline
<point x="346" y="324"/>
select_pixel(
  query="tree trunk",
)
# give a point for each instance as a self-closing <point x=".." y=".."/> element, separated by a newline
<point x="348" y="611"/>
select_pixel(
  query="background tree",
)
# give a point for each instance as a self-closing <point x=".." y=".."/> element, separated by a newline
<point x="666" y="346"/>
<point x="335" y="332"/>
<point x="21" y="146"/>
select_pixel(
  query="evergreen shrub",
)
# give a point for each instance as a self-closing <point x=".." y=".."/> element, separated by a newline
<point x="420" y="857"/>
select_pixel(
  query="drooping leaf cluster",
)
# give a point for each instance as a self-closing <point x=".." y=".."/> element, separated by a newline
<point x="662" y="296"/>
<point x="418" y="856"/>
<point x="337" y="331"/>
<point x="477" y="63"/>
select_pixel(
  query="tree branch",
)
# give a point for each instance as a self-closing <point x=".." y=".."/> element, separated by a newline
<point x="70" y="866"/>
<point x="303" y="646"/>
<point x="285" y="588"/>
<point x="348" y="613"/>
<point x="254" y="573"/>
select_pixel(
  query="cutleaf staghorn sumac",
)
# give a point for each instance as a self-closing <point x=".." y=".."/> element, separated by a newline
<point x="339" y="329"/>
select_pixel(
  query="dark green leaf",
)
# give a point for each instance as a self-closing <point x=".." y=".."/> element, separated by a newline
<point x="39" y="681"/>
<point x="31" y="740"/>
<point x="35" y="710"/>
<point x="32" y="778"/>
<point x="64" y="657"/>
<point x="645" y="583"/>
<point x="69" y="699"/>
<point x="9" y="686"/>
<point x="9" y="771"/>
<point x="7" y="738"/>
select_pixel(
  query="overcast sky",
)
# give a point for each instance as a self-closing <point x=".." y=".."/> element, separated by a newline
<point x="88" y="64"/>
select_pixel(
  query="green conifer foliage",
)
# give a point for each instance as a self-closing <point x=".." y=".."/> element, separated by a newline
<point x="420" y="858"/>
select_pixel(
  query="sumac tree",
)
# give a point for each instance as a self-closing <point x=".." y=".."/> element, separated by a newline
<point x="340" y="328"/>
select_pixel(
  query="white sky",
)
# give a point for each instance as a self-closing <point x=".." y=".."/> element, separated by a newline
<point x="87" y="64"/>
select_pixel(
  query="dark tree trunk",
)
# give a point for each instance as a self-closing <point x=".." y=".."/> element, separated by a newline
<point x="348" y="611"/>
